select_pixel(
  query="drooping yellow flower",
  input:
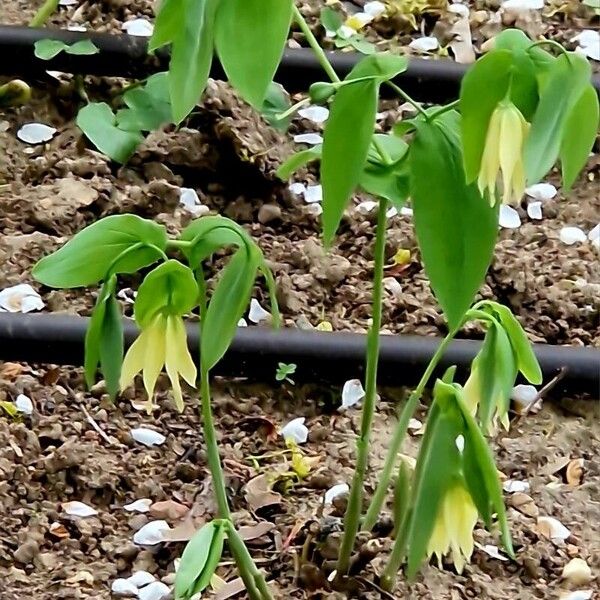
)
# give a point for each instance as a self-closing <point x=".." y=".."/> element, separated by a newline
<point x="472" y="397"/>
<point x="453" y="529"/>
<point x="163" y="343"/>
<point x="503" y="151"/>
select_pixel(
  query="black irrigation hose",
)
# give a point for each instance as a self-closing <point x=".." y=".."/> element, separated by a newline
<point x="320" y="357"/>
<point x="435" y="81"/>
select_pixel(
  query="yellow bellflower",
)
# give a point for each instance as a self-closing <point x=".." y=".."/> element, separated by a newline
<point x="471" y="396"/>
<point x="453" y="529"/>
<point x="163" y="343"/>
<point x="503" y="151"/>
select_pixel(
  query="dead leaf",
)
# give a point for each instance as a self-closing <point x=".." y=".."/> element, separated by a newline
<point x="259" y="493"/>
<point x="253" y="532"/>
<point x="574" y="472"/>
<point x="184" y="532"/>
<point x="50" y="377"/>
<point x="81" y="577"/>
<point x="230" y="589"/>
<point x="59" y="531"/>
<point x="461" y="44"/>
<point x="265" y="427"/>
<point x="169" y="510"/>
<point x="524" y="504"/>
<point x="555" y="466"/>
<point x="11" y="371"/>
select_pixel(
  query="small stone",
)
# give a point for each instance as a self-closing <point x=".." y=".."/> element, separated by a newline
<point x="26" y="552"/>
<point x="577" y="572"/>
<point x="572" y="235"/>
<point x="268" y="213"/>
<point x="123" y="587"/>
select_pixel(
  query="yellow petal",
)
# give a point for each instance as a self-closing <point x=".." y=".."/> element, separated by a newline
<point x="471" y="391"/>
<point x="178" y="360"/>
<point x="511" y="141"/>
<point x="154" y="357"/>
<point x="490" y="161"/>
<point x="133" y="362"/>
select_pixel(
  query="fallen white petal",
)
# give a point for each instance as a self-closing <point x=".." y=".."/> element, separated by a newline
<point x="374" y="9"/>
<point x="151" y="533"/>
<point x="345" y="32"/>
<point x="155" y="591"/>
<point x="297" y="188"/>
<point x="524" y="394"/>
<point x="577" y="572"/>
<point x="75" y="27"/>
<point x="123" y="587"/>
<point x="415" y="425"/>
<point x="141" y="578"/>
<point x="577" y="595"/>
<point x="391" y="212"/>
<point x="594" y="233"/>
<point x="492" y="551"/>
<point x="587" y="37"/>
<point x="24" y="404"/>
<point x="541" y="191"/>
<point x="512" y="486"/>
<point x="352" y="393"/>
<point x="425" y="44"/>
<point x="31" y="302"/>
<point x="295" y="430"/>
<point x="148" y="437"/>
<point x="359" y="20"/>
<point x="78" y="509"/>
<point x="459" y="9"/>
<point x="127" y="295"/>
<point x="68" y="2"/>
<point x="392" y="285"/>
<point x="138" y="27"/>
<point x="257" y="314"/>
<point x="242" y="323"/>
<point x="534" y="210"/>
<point x="139" y="506"/>
<point x="36" y="133"/>
<point x="523" y="4"/>
<point x="337" y="490"/>
<point x="366" y="207"/>
<point x="316" y="114"/>
<point x="313" y="193"/>
<point x="509" y="217"/>
<point x="331" y="577"/>
<point x="572" y="235"/>
<point x="312" y="139"/>
<point x="556" y="530"/>
<point x="315" y="209"/>
<point x="405" y="211"/>
<point x="592" y="52"/>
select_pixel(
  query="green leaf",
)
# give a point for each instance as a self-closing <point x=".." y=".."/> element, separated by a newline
<point x="455" y="226"/>
<point x="383" y="66"/>
<point x="346" y="141"/>
<point x="149" y="106"/>
<point x="298" y="160"/>
<point x="578" y="140"/>
<point x="83" y="48"/>
<point x="47" y="49"/>
<point x="98" y="123"/>
<point x="94" y="332"/>
<point x="361" y="45"/>
<point x="199" y="560"/>
<point x="276" y="102"/>
<point x="111" y="346"/>
<point x="227" y="305"/>
<point x="331" y="19"/>
<point x="170" y="287"/>
<point x="191" y="54"/>
<point x="483" y="86"/>
<point x="250" y="36"/>
<point x="120" y="243"/>
<point x="567" y="80"/>
<point x="168" y="23"/>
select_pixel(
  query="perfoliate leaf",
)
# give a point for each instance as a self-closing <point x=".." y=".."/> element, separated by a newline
<point x="98" y="123"/>
<point x="227" y="305"/>
<point x="567" y="80"/>
<point x="170" y="287"/>
<point x="250" y="36"/>
<point x="383" y="66"/>
<point x="298" y="160"/>
<point x="331" y="19"/>
<point x="119" y="243"/>
<point x="346" y="141"/>
<point x="578" y="139"/>
<point x="47" y="49"/>
<point x="276" y="102"/>
<point x="483" y="86"/>
<point x="455" y="226"/>
<point x="82" y="48"/>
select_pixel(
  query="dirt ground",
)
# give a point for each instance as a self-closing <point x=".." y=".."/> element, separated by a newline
<point x="228" y="154"/>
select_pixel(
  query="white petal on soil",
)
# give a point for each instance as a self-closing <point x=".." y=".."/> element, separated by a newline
<point x="513" y="486"/>
<point x="68" y="2"/>
<point x="541" y="191"/>
<point x="315" y="209"/>
<point x="316" y="114"/>
<point x="297" y="188"/>
<point x="366" y="207"/>
<point x="492" y="551"/>
<point x="312" y="139"/>
<point x="242" y="323"/>
<point x="556" y="531"/>
<point x="406" y="211"/>
<point x="509" y="217"/>
<point x="572" y="235"/>
<point x="594" y="233"/>
<point x="155" y="591"/>
<point x="459" y="9"/>
<point x="352" y="393"/>
<point x="148" y="437"/>
<point x="313" y="193"/>
<point x="337" y="490"/>
<point x="524" y="394"/>
<point x="123" y="587"/>
<point x="139" y="506"/>
<point x="360" y="19"/>
<point x="78" y="509"/>
<point x="523" y="4"/>
<point x="415" y="425"/>
<point x="141" y="578"/>
<point x="534" y="210"/>
<point x="36" y="133"/>
<point x="75" y="27"/>
<point x="24" y="404"/>
<point x="589" y="43"/>
<point x="374" y="9"/>
<point x="577" y="572"/>
<point x="138" y="27"/>
<point x="577" y="595"/>
<point x="151" y="533"/>
<point x="392" y="285"/>
<point x="31" y="302"/>
<point x="425" y="44"/>
<point x="345" y="32"/>
<point x="257" y="314"/>
<point x="391" y="212"/>
<point x="295" y="430"/>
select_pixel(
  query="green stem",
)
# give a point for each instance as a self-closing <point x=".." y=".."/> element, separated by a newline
<point x="399" y="435"/>
<point x="385" y="157"/>
<point x="354" y="509"/>
<point x="433" y="116"/>
<point x="44" y="12"/>
<point x="314" y="44"/>
<point x="292" y="109"/>
<point x="551" y="43"/>
<point x="406" y="97"/>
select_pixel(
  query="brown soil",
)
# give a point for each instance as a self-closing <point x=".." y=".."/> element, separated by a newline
<point x="228" y="155"/>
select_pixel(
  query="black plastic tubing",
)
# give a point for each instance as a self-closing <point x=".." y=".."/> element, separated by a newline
<point x="434" y="81"/>
<point x="321" y="357"/>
